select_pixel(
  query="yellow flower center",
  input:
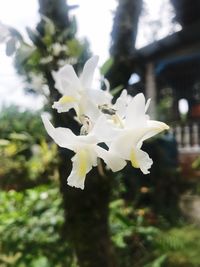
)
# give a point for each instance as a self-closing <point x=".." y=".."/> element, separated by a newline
<point x="133" y="159"/>
<point x="67" y="99"/>
<point x="82" y="160"/>
<point x="117" y="120"/>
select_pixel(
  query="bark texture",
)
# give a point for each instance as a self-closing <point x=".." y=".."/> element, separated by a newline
<point x="123" y="35"/>
<point x="86" y="211"/>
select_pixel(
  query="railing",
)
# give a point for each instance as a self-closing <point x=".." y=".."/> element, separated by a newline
<point x="187" y="137"/>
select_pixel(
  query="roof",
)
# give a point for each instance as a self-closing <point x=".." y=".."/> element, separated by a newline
<point x="191" y="61"/>
<point x="187" y="38"/>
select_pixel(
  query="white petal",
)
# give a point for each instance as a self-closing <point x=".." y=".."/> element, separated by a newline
<point x="144" y="160"/>
<point x="123" y="143"/>
<point x="112" y="160"/>
<point x="107" y="84"/>
<point x="90" y="102"/>
<point x="88" y="108"/>
<point x="147" y="104"/>
<point x="153" y="128"/>
<point x="76" y="181"/>
<point x="157" y="124"/>
<point x="67" y="81"/>
<point x="82" y="164"/>
<point x="64" y="107"/>
<point x="99" y="97"/>
<point x="129" y="138"/>
<point x="121" y="103"/>
<point x="88" y="72"/>
<point x="63" y="137"/>
<point x="135" y="114"/>
<point x="104" y="130"/>
<point x="89" y="139"/>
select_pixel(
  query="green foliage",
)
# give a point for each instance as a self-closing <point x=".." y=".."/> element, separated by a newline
<point x="75" y="48"/>
<point x="33" y="60"/>
<point x="25" y="158"/>
<point x="196" y="164"/>
<point x="31" y="221"/>
<point x="14" y="120"/>
<point x="49" y="50"/>
<point x="132" y="235"/>
<point x="121" y="225"/>
<point x="143" y="242"/>
<point x="157" y="262"/>
<point x="164" y="108"/>
<point x="30" y="226"/>
<point x="182" y="246"/>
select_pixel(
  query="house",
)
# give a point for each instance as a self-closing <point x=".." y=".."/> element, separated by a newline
<point x="171" y="70"/>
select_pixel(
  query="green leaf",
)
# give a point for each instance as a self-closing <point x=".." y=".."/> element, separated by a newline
<point x="49" y="26"/>
<point x="24" y="52"/>
<point x="10" y="47"/>
<point x="4" y="142"/>
<point x="106" y="66"/>
<point x="42" y="262"/>
<point x="19" y="136"/>
<point x="35" y="37"/>
<point x="158" y="262"/>
<point x="116" y="90"/>
<point x="75" y="48"/>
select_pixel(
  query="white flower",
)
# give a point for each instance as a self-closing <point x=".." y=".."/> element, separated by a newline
<point x="57" y="48"/>
<point x="136" y="127"/>
<point x="118" y="110"/>
<point x="37" y="80"/>
<point x="77" y="92"/>
<point x="121" y="103"/>
<point x="86" y="151"/>
<point x="38" y="83"/>
<point x="63" y="62"/>
<point x="122" y="127"/>
<point x="46" y="60"/>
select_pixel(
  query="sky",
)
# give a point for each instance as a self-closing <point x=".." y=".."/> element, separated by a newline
<point x="11" y="85"/>
<point x="95" y="25"/>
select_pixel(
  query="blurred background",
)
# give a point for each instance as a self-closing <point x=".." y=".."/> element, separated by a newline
<point x="122" y="219"/>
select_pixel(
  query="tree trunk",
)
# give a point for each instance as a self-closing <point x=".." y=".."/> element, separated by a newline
<point x="186" y="13"/>
<point x="86" y="211"/>
<point x="87" y="219"/>
<point x="123" y="35"/>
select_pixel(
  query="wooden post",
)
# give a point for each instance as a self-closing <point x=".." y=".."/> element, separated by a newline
<point x="151" y="88"/>
<point x="195" y="136"/>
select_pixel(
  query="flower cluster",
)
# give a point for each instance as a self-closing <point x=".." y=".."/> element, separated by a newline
<point x="122" y="127"/>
